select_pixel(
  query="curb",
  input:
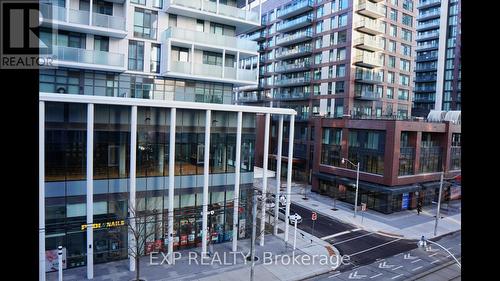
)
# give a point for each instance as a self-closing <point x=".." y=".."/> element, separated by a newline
<point x="432" y="270"/>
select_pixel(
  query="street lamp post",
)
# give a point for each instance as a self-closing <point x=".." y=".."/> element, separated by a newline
<point x="439" y="204"/>
<point x="423" y="244"/>
<point x="357" y="184"/>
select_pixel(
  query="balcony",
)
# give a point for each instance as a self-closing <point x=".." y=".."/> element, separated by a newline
<point x="425" y="78"/>
<point x="428" y="35"/>
<point x="366" y="95"/>
<point x="294" y="9"/>
<point x="294" y="24"/>
<point x="293" y="81"/>
<point x="300" y="66"/>
<point x="429" y="25"/>
<point x="425" y="88"/>
<point x="370" y="9"/>
<point x="428" y="15"/>
<point x="428" y="3"/>
<point x="369" y="43"/>
<point x="214" y="73"/>
<point x="206" y="10"/>
<point x="421" y="58"/>
<point x="426" y="46"/>
<point x="250" y="97"/>
<point x="295" y="52"/>
<point x="291" y="96"/>
<point x="209" y="41"/>
<point x="86" y="59"/>
<point x="297" y="37"/>
<point x="79" y="21"/>
<point x="424" y="68"/>
<point x="367" y="76"/>
<point x="369" y="26"/>
<point x="257" y="36"/>
<point x="366" y="59"/>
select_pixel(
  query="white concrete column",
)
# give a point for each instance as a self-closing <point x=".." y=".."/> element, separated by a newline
<point x="278" y="174"/>
<point x="237" y="180"/>
<point x="289" y="174"/>
<point x="260" y="12"/>
<point x="217" y="7"/>
<point x="247" y="8"/>
<point x="90" y="190"/>
<point x="441" y="62"/>
<point x="264" y="179"/>
<point x="90" y="12"/>
<point x="41" y="191"/>
<point x="171" y="186"/>
<point x="237" y="64"/>
<point x="204" y="232"/>
<point x="191" y="57"/>
<point x="67" y="10"/>
<point x="133" y="182"/>
<point x="224" y="62"/>
<point x="258" y="65"/>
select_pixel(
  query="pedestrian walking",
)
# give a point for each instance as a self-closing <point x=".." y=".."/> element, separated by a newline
<point x="419" y="208"/>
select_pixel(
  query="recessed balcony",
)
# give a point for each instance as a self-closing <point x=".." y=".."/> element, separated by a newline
<point x="298" y="51"/>
<point x="427" y="3"/>
<point x="369" y="43"/>
<point x="428" y="25"/>
<point x="428" y="36"/>
<point x="429" y="15"/>
<point x="293" y="67"/>
<point x="297" y="37"/>
<point x="367" y="76"/>
<point x="366" y="59"/>
<point x="209" y="41"/>
<point x="426" y="46"/>
<point x="369" y="26"/>
<point x="294" y="95"/>
<point x="86" y="59"/>
<point x="370" y="9"/>
<point x="297" y="23"/>
<point x="425" y="78"/>
<point x="427" y="67"/>
<point x="294" y="9"/>
<point x="80" y="21"/>
<point x="363" y="94"/>
<point x="243" y="19"/>
<point x="293" y="81"/>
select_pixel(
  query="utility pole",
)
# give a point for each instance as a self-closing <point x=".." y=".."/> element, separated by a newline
<point x="439" y="204"/>
<point x="254" y="232"/>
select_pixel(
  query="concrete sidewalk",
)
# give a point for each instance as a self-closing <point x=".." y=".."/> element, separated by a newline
<point x="225" y="265"/>
<point x="405" y="224"/>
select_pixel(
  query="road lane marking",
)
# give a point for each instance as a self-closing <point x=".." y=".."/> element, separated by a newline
<point x="340" y="233"/>
<point x="417" y="268"/>
<point x="376" y="275"/>
<point x="334" y="275"/>
<point x="435" y="261"/>
<point x="381" y="245"/>
<point x="397" y="276"/>
<point x="416" y="261"/>
<point x="397" y="267"/>
<point x="433" y="254"/>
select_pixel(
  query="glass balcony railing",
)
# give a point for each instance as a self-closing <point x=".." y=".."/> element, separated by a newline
<point x="88" y="56"/>
<point x="370" y="9"/>
<point x="294" y="8"/>
<point x="428" y="14"/>
<point x="431" y="24"/>
<point x="425" y="88"/>
<point x="292" y="81"/>
<point x="428" y="35"/>
<point x="298" y="22"/>
<point x="425" y="78"/>
<point x="427" y="57"/>
<point x="293" y="37"/>
<point x="426" y="46"/>
<point x="366" y="94"/>
<point x="294" y="51"/>
<point x="369" y="26"/>
<point x="53" y="12"/>
<point x="220" y="41"/>
<point x="372" y="43"/>
<point x="211" y="7"/>
<point x="107" y="21"/>
<point x="368" y="59"/>
<point x="423" y="3"/>
<point x="292" y="67"/>
<point x="369" y="76"/>
<point x="426" y="67"/>
<point x="291" y="95"/>
<point x="79" y="17"/>
<point x="214" y="71"/>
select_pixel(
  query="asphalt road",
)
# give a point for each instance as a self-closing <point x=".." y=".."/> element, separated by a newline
<point x="377" y="257"/>
<point x="363" y="247"/>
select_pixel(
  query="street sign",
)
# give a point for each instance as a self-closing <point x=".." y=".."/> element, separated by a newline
<point x="314" y="216"/>
<point x="363" y="206"/>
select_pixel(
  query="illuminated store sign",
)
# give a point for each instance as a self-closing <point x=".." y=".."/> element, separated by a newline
<point x="108" y="224"/>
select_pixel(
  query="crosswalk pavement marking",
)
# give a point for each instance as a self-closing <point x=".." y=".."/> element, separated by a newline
<point x="340" y="233"/>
